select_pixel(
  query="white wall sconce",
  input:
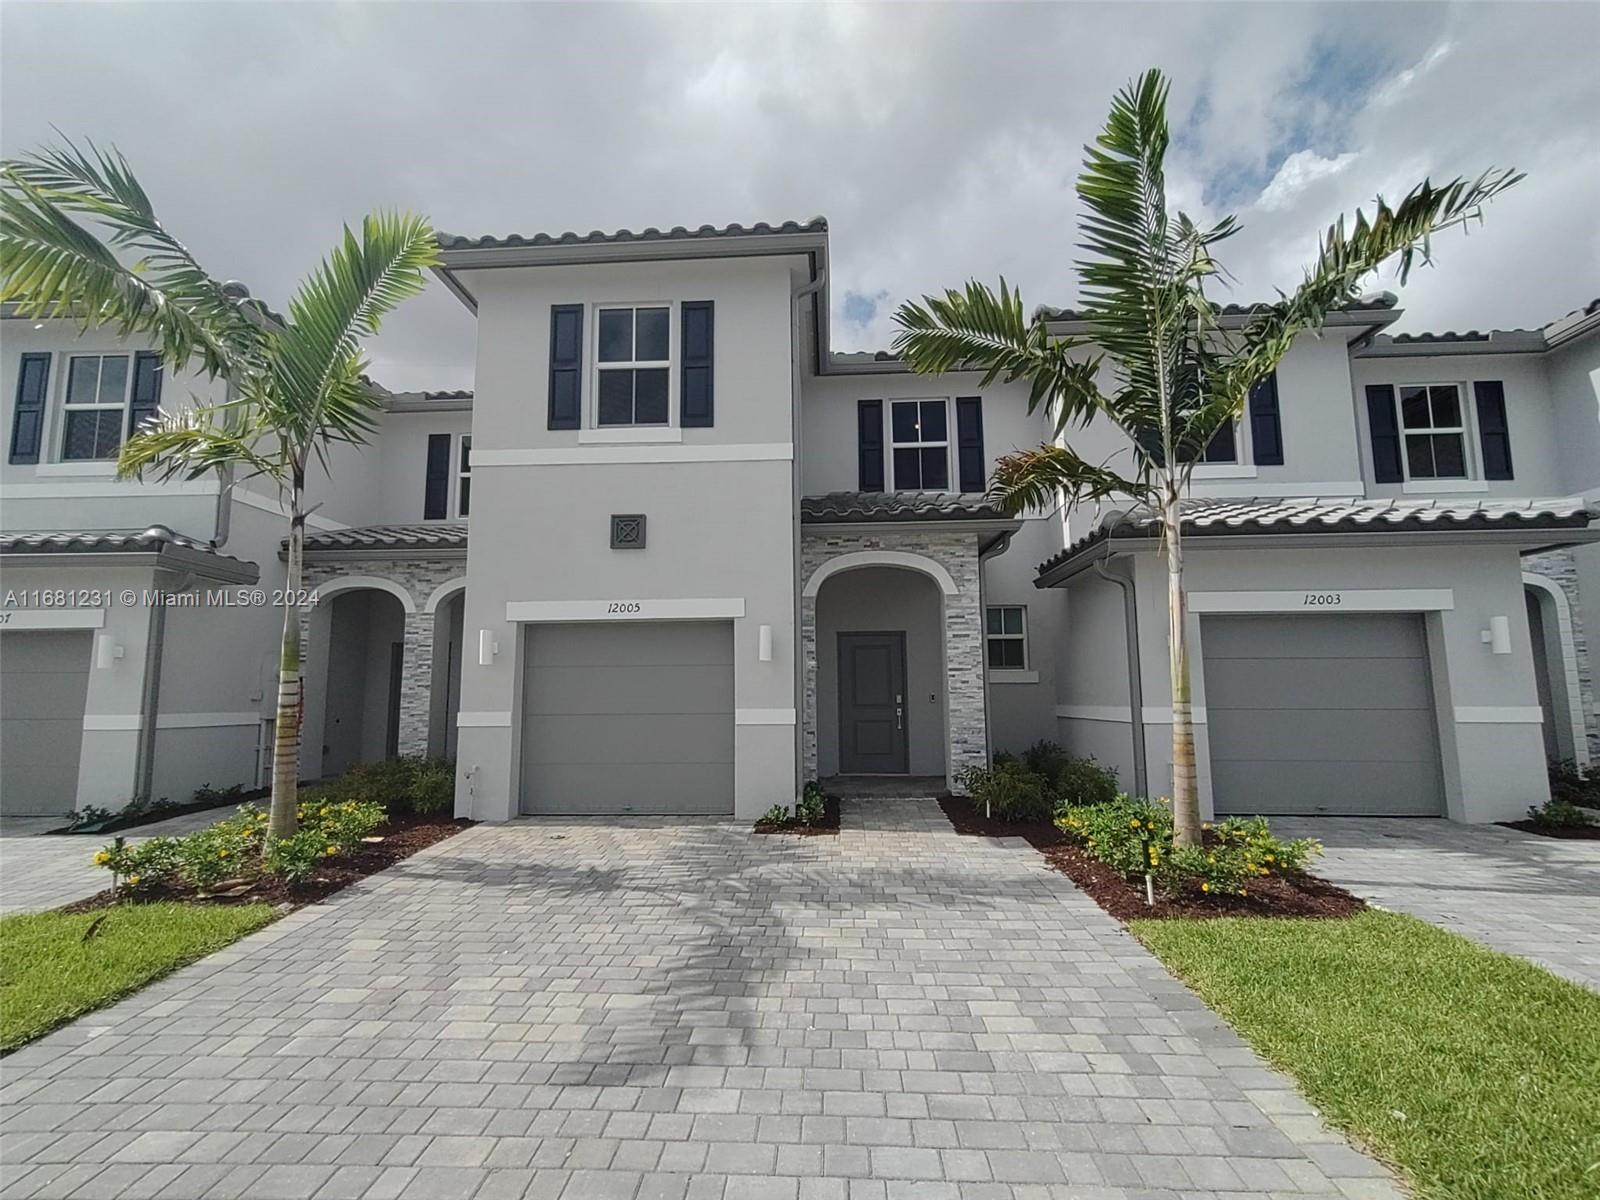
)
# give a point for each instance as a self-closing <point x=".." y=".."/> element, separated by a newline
<point x="106" y="652"/>
<point x="487" y="647"/>
<point x="1498" y="636"/>
<point x="764" y="643"/>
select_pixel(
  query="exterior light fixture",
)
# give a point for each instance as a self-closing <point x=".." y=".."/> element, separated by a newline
<point x="487" y="647"/>
<point x="764" y="643"/>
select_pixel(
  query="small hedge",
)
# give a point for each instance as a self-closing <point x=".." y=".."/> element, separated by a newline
<point x="1040" y="785"/>
<point x="408" y="784"/>
<point x="1134" y="838"/>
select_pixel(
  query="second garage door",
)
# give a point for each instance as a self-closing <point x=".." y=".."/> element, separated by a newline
<point x="44" y="679"/>
<point x="628" y="718"/>
<point x="1321" y="714"/>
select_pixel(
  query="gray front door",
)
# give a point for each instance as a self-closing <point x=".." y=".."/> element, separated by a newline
<point x="872" y="703"/>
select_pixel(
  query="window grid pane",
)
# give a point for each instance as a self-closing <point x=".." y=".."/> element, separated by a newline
<point x="616" y="335"/>
<point x="651" y="337"/>
<point x="113" y="380"/>
<point x="82" y="377"/>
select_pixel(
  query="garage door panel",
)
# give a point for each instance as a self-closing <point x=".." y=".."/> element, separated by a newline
<point x="634" y="718"/>
<point x="653" y="789"/>
<point x="1326" y="735"/>
<point x="1320" y="713"/>
<point x="1305" y="636"/>
<point x="630" y="739"/>
<point x="632" y="689"/>
<point x="1343" y="789"/>
<point x="1251" y="684"/>
<point x="44" y="681"/>
<point x="631" y="644"/>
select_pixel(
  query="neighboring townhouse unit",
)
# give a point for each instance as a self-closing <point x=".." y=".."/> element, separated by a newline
<point x="710" y="559"/>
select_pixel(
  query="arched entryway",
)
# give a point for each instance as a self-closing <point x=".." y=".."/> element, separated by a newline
<point x="1555" y="669"/>
<point x="362" y="632"/>
<point x="447" y="608"/>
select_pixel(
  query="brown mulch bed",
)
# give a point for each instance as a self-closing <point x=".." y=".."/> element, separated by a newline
<point x="402" y="837"/>
<point x="830" y="822"/>
<point x="1576" y="833"/>
<point x="1294" y="895"/>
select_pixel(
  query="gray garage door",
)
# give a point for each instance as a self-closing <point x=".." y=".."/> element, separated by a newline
<point x="628" y="718"/>
<point x="44" y="678"/>
<point x="1321" y="714"/>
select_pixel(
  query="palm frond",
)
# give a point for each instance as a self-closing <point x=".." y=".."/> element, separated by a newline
<point x="1034" y="480"/>
<point x="317" y="366"/>
<point x="52" y="262"/>
<point x="197" y="441"/>
<point x="978" y="329"/>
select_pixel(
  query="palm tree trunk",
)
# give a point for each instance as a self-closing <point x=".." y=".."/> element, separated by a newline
<point x="1185" y="785"/>
<point x="286" y="734"/>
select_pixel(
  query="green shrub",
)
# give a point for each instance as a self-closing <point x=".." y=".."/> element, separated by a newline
<point x="778" y="814"/>
<point x="206" y="794"/>
<point x="1573" y="785"/>
<point x="1560" y="814"/>
<point x="219" y="852"/>
<point x="811" y="808"/>
<point x="1083" y="781"/>
<point x="1008" y="791"/>
<point x="1045" y="758"/>
<point x="433" y="787"/>
<point x="153" y="862"/>
<point x="293" y="859"/>
<point x="343" y="824"/>
<point x="1134" y="838"/>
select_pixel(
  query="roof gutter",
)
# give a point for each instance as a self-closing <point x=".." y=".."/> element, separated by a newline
<point x="1130" y="626"/>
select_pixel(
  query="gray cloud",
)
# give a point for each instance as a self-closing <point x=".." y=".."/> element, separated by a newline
<point x="940" y="141"/>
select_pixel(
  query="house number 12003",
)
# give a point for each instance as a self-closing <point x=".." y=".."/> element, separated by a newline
<point x="623" y="606"/>
<point x="1323" y="599"/>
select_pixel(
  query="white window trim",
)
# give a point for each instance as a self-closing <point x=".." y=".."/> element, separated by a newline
<point x="461" y="462"/>
<point x="61" y="362"/>
<point x="592" y="430"/>
<point x="1027" y="655"/>
<point x="952" y="484"/>
<point x="1473" y="480"/>
<point x="1243" y="465"/>
<point x="452" y="495"/>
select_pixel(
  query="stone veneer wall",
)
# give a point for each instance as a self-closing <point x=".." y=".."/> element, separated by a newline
<point x="966" y="722"/>
<point x="1561" y="568"/>
<point x="419" y="578"/>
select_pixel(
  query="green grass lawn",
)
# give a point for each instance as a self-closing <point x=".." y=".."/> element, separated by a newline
<point x="1477" y="1074"/>
<point x="50" y="974"/>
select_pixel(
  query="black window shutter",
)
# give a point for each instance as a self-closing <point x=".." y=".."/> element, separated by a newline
<point x="1493" y="432"/>
<point x="27" y="422"/>
<point x="696" y="400"/>
<point x="1266" y="426"/>
<point x="869" y="445"/>
<point x="969" y="444"/>
<point x="566" y="366"/>
<point x="1223" y="446"/>
<point x="1385" y="433"/>
<point x="436" y="496"/>
<point x="146" y="390"/>
<point x="1149" y="441"/>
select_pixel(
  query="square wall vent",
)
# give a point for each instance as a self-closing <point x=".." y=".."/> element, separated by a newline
<point x="627" y="531"/>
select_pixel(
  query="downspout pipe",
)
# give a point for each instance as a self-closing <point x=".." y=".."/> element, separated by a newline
<point x="797" y="613"/>
<point x="1130" y="619"/>
<point x="150" y="699"/>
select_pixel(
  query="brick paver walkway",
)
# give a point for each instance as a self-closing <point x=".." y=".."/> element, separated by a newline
<point x="1519" y="893"/>
<point x="674" y="1009"/>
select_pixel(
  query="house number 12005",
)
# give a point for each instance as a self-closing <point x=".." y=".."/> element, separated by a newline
<point x="1323" y="599"/>
<point x="623" y="606"/>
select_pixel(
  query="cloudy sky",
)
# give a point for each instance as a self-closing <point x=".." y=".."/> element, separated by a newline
<point x="941" y="141"/>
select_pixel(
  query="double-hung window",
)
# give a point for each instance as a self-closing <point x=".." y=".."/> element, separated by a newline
<point x="919" y="432"/>
<point x="1007" y="636"/>
<point x="1433" y="423"/>
<point x="95" y="409"/>
<point x="633" y="363"/>
<point x="464" y="476"/>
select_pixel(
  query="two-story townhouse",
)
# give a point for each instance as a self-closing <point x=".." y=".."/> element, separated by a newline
<point x="710" y="558"/>
<point x="139" y="630"/>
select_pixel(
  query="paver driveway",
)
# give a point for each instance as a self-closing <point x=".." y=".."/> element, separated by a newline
<point x="1519" y="893"/>
<point x="644" y="1008"/>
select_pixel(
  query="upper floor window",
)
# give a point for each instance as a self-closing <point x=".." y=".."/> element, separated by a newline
<point x="464" y="476"/>
<point x="919" y="431"/>
<point x="1433" y="423"/>
<point x="447" y="484"/>
<point x="1007" y="636"/>
<point x="95" y="409"/>
<point x="633" y="363"/>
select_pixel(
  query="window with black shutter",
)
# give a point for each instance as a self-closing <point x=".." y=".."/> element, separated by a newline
<point x="869" y="445"/>
<point x="1494" y="434"/>
<point x="566" y="366"/>
<point x="436" y="492"/>
<point x="971" y="467"/>
<point x="27" y="419"/>
<point x="1266" y="423"/>
<point x="696" y="401"/>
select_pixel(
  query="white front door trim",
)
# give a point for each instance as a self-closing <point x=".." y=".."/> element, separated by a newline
<point x="857" y="559"/>
<point x="1327" y="601"/>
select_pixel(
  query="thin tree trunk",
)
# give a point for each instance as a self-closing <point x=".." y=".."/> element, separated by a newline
<point x="1185" y="785"/>
<point x="286" y="735"/>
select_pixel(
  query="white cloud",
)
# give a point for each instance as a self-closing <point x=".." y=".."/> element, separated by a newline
<point x="1298" y="172"/>
<point x="941" y="141"/>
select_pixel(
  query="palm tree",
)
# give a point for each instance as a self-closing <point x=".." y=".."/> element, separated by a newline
<point x="1156" y="361"/>
<point x="79" y="238"/>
